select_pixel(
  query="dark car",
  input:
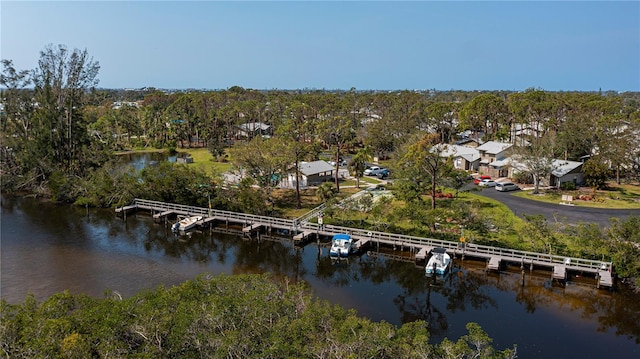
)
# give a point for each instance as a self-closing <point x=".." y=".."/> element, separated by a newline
<point x="383" y="173"/>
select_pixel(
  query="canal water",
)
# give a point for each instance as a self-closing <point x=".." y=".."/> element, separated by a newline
<point x="47" y="248"/>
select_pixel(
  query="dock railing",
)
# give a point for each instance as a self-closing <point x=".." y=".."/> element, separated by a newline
<point x="247" y="219"/>
<point x="301" y="223"/>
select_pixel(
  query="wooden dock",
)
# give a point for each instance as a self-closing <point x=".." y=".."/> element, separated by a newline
<point x="301" y="229"/>
<point x="494" y="263"/>
<point x="303" y="236"/>
<point x="162" y="214"/>
<point x="252" y="227"/>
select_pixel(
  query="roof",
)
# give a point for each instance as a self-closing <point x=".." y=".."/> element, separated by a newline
<point x="315" y="167"/>
<point x="468" y="153"/>
<point x="494" y="147"/>
<point x="500" y="163"/>
<point x="560" y="167"/>
<point x="563" y="167"/>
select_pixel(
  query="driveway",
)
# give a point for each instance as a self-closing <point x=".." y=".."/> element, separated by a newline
<point x="557" y="212"/>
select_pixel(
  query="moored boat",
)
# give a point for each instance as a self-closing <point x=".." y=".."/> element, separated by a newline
<point x="186" y="223"/>
<point x="438" y="262"/>
<point x="340" y="245"/>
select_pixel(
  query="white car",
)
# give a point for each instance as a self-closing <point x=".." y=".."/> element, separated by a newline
<point x="506" y="187"/>
<point x="487" y="183"/>
<point x="372" y="171"/>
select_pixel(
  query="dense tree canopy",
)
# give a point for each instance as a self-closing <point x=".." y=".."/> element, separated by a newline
<point x="240" y="316"/>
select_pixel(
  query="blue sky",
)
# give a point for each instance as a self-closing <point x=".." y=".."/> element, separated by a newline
<point x="479" y="45"/>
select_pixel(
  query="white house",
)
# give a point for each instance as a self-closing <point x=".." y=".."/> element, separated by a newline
<point x="311" y="174"/>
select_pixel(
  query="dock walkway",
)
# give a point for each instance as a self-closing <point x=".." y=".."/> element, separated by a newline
<point x="301" y="229"/>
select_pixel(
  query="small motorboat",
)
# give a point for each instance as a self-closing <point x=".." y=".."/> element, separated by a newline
<point x="340" y="246"/>
<point x="438" y="262"/>
<point x="186" y="223"/>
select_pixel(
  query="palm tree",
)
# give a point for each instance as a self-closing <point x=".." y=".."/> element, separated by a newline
<point x="358" y="163"/>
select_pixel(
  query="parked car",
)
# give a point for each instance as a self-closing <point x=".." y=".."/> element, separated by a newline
<point x="506" y="186"/>
<point x="487" y="183"/>
<point x="479" y="179"/>
<point x="383" y="173"/>
<point x="341" y="163"/>
<point x="371" y="171"/>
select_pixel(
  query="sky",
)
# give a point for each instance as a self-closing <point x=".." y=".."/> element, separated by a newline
<point x="367" y="45"/>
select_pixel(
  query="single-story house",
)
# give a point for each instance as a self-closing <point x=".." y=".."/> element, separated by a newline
<point x="566" y="171"/>
<point x="311" y="174"/>
<point x="464" y="158"/>
<point x="561" y="171"/>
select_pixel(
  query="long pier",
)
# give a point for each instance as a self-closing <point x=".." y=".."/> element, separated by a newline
<point x="420" y="247"/>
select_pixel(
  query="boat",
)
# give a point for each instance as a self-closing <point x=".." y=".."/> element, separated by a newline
<point x="186" y="223"/>
<point x="340" y="245"/>
<point x="438" y="263"/>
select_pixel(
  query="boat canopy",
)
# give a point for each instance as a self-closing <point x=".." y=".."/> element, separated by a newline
<point x="438" y="250"/>
<point x="341" y="236"/>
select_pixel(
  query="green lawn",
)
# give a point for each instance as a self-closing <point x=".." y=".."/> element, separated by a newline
<point x="624" y="196"/>
<point x="203" y="160"/>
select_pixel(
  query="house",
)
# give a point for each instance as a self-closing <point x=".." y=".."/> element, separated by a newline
<point x="250" y="130"/>
<point x="492" y="151"/>
<point x="561" y="171"/>
<point x="566" y="171"/>
<point x="464" y="158"/>
<point x="311" y="174"/>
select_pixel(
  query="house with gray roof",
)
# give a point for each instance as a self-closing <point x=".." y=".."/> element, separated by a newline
<point x="561" y="171"/>
<point x="492" y="151"/>
<point x="463" y="157"/>
<point x="566" y="171"/>
<point x="311" y="174"/>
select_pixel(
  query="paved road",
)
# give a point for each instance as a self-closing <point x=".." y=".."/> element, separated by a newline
<point x="557" y="212"/>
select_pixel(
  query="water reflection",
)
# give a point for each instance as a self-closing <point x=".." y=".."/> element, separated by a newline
<point x="48" y="248"/>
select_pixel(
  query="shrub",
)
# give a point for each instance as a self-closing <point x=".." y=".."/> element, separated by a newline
<point x="522" y="177"/>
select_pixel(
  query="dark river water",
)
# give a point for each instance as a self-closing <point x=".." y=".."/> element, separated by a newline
<point x="48" y="248"/>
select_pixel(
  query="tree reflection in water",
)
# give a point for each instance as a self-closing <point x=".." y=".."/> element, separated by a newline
<point x="467" y="287"/>
<point x="393" y="290"/>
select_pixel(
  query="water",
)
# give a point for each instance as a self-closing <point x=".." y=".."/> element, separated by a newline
<point x="140" y="160"/>
<point x="47" y="248"/>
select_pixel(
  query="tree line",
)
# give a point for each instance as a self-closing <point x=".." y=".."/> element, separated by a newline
<point x="240" y="316"/>
<point x="59" y="133"/>
<point x="55" y="123"/>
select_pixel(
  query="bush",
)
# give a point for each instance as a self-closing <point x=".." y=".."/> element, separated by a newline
<point x="567" y="186"/>
<point x="522" y="177"/>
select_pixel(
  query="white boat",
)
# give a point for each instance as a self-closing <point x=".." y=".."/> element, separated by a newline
<point x="438" y="263"/>
<point x="340" y="245"/>
<point x="186" y="223"/>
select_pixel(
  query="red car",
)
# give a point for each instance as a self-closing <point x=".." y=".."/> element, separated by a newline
<point x="479" y="179"/>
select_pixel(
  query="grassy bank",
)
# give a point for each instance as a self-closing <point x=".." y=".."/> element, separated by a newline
<point x="623" y="196"/>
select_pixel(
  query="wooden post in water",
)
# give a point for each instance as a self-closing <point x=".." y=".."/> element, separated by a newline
<point x="523" y="277"/>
